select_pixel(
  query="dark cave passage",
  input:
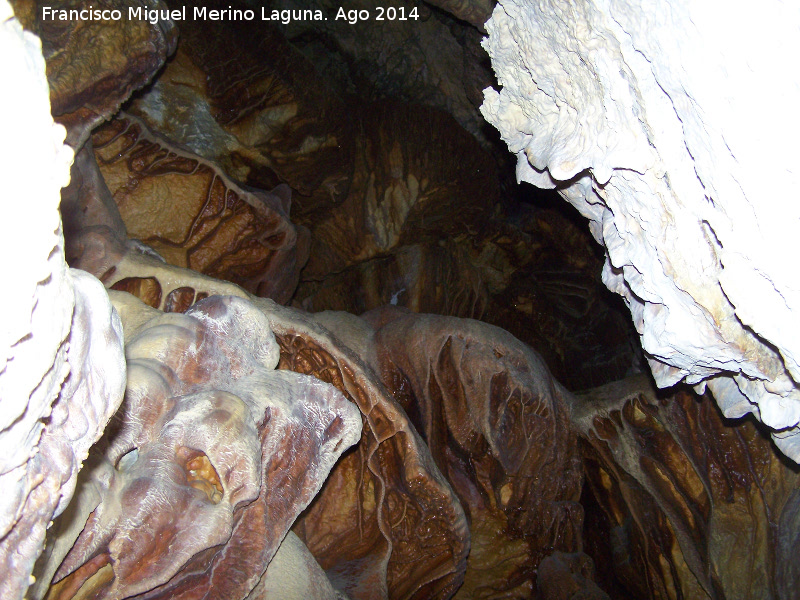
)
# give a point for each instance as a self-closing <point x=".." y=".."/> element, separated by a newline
<point x="408" y="197"/>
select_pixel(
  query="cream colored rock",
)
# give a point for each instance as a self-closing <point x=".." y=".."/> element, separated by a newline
<point x="670" y="127"/>
<point x="35" y="165"/>
<point x="62" y="371"/>
<point x="294" y="574"/>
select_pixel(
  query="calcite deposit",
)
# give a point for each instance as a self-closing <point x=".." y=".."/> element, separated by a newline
<point x="393" y="215"/>
<point x="189" y="212"/>
<point x="640" y="115"/>
<point x="414" y="53"/>
<point x="263" y="451"/>
<point x="498" y="427"/>
<point x="388" y="523"/>
<point x="93" y="65"/>
<point x="61" y="367"/>
<point x="468" y="443"/>
<point x="687" y="503"/>
<point x="211" y="458"/>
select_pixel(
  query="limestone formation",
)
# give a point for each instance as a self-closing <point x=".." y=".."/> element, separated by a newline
<point x="415" y="53"/>
<point x="639" y="115"/>
<point x="209" y="461"/>
<point x="93" y="65"/>
<point x="387" y="523"/>
<point x="676" y="499"/>
<point x="263" y="118"/>
<point x="401" y="203"/>
<point x="188" y="211"/>
<point x="688" y="504"/>
<point x="61" y="367"/>
<point x="262" y="451"/>
<point x="498" y="427"/>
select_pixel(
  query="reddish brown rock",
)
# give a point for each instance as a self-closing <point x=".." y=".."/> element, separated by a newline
<point x="187" y="210"/>
<point x="677" y="500"/>
<point x="498" y="427"/>
<point x="212" y="458"/>
<point x="411" y="538"/>
<point x="429" y="277"/>
<point x="386" y="524"/>
<point x="147" y="289"/>
<point x="265" y="117"/>
<point x="418" y="177"/>
<point x="94" y="65"/>
<point x="682" y="503"/>
<point x="426" y="230"/>
<point x="396" y="196"/>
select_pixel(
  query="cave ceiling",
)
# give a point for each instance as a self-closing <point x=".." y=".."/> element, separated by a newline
<point x="361" y="361"/>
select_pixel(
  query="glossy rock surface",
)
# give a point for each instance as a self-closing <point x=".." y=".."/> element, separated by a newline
<point x="210" y="460"/>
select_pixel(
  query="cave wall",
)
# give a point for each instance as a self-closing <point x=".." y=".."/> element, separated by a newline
<point x="62" y="371"/>
<point x="667" y="125"/>
<point x="669" y="465"/>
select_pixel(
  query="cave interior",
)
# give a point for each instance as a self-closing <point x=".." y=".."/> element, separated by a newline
<point x="363" y="360"/>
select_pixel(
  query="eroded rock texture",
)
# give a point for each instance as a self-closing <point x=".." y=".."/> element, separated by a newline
<point x="497" y="425"/>
<point x="210" y="460"/>
<point x="387" y="523"/>
<point x="456" y="414"/>
<point x="475" y="474"/>
<point x="403" y="205"/>
<point x="265" y="117"/>
<point x="468" y="443"/>
<point x="93" y="66"/>
<point x="186" y="209"/>
<point x="61" y="366"/>
<point x="637" y="115"/>
<point x="681" y="502"/>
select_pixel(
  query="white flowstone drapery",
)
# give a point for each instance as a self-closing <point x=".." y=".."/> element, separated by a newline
<point x="671" y="125"/>
<point x="62" y="368"/>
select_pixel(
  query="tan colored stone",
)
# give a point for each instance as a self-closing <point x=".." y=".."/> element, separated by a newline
<point x="93" y="66"/>
<point x="688" y="504"/>
<point x="194" y="216"/>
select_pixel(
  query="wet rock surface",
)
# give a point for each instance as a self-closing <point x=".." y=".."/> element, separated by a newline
<point x="402" y="204"/>
<point x="522" y="488"/>
<point x="473" y="473"/>
<point x="188" y="211"/>
<point x="209" y="461"/>
<point x="688" y="501"/>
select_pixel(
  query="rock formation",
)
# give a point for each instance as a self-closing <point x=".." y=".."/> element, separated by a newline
<point x="462" y="420"/>
<point x="193" y="216"/>
<point x="211" y="458"/>
<point x="688" y="503"/>
<point x="62" y="371"/>
<point x="392" y="216"/>
<point x="637" y="116"/>
<point x="261" y="450"/>
<point x="93" y="65"/>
